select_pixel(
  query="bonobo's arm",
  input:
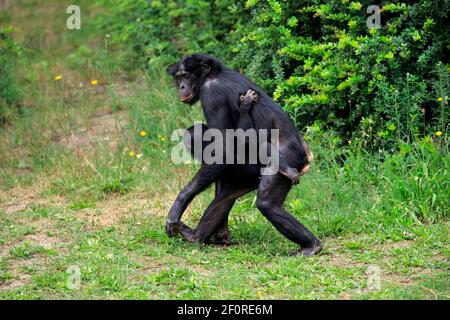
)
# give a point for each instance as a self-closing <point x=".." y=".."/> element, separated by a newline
<point x="207" y="174"/>
<point x="246" y="102"/>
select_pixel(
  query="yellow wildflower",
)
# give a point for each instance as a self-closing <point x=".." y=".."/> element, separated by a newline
<point x="440" y="99"/>
<point x="438" y="133"/>
<point x="143" y="133"/>
<point x="58" y="77"/>
<point x="131" y="153"/>
<point x="94" y="82"/>
<point x="163" y="138"/>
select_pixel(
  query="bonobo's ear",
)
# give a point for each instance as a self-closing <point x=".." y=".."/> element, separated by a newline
<point x="205" y="66"/>
<point x="172" y="69"/>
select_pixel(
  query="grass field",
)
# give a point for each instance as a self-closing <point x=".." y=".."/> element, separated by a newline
<point x="82" y="189"/>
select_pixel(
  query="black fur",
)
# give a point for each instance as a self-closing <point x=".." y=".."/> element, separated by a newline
<point x="204" y="78"/>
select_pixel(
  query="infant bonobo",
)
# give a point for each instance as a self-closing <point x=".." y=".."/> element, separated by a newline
<point x="245" y="122"/>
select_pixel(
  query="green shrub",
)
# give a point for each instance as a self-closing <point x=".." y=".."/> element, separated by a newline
<point x="9" y="90"/>
<point x="323" y="63"/>
<point x="160" y="29"/>
<point x="318" y="58"/>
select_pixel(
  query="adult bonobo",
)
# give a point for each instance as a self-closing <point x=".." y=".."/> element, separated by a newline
<point x="219" y="89"/>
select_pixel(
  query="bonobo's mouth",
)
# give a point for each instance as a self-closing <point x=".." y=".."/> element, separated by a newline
<point x="187" y="98"/>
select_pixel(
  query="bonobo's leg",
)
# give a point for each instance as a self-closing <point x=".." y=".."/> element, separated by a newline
<point x="245" y="122"/>
<point x="203" y="178"/>
<point x="272" y="192"/>
<point x="283" y="167"/>
<point x="222" y="235"/>
<point x="309" y="157"/>
<point x="216" y="213"/>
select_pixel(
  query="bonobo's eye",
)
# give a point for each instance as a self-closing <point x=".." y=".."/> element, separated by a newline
<point x="182" y="76"/>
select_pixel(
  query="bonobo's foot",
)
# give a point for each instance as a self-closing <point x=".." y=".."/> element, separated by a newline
<point x="187" y="233"/>
<point x="222" y="238"/>
<point x="292" y="174"/>
<point x="309" y="251"/>
<point x="248" y="99"/>
<point x="172" y="228"/>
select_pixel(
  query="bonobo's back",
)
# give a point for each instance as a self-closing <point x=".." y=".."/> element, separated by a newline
<point x="266" y="112"/>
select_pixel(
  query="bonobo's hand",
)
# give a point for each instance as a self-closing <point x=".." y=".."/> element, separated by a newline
<point x="172" y="228"/>
<point x="292" y="174"/>
<point x="247" y="100"/>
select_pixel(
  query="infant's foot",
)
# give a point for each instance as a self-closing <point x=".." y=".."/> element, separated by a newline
<point x="292" y="174"/>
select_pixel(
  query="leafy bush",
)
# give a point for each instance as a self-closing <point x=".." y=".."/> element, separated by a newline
<point x="318" y="58"/>
<point x="163" y="29"/>
<point x="323" y="63"/>
<point x="9" y="91"/>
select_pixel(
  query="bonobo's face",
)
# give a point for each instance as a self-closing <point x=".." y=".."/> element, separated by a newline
<point x="186" y="83"/>
<point x="189" y="75"/>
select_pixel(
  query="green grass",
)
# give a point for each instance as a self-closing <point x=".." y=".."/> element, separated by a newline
<point x="67" y="201"/>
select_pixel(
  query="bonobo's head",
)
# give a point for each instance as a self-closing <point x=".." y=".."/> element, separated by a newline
<point x="191" y="72"/>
